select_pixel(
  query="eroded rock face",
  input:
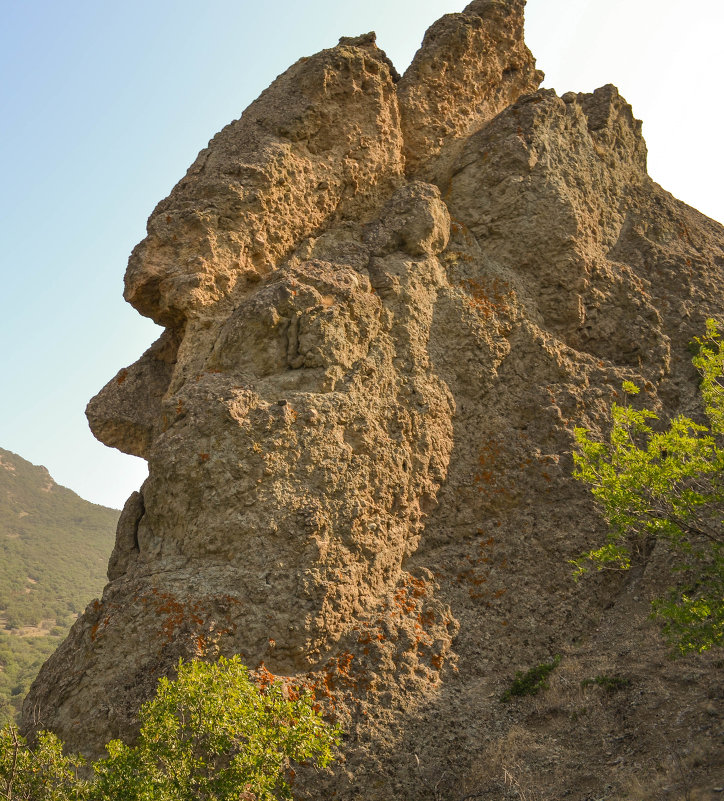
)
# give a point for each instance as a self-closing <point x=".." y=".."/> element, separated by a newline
<point x="322" y="142"/>
<point x="470" y="67"/>
<point x="387" y="304"/>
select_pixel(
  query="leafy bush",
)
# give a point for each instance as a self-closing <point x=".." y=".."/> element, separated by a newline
<point x="211" y="734"/>
<point x="667" y="486"/>
<point x="42" y="773"/>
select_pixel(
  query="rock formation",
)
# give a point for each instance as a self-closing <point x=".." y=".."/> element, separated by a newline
<point x="388" y="301"/>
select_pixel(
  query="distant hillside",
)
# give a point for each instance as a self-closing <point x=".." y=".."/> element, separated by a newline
<point x="54" y="548"/>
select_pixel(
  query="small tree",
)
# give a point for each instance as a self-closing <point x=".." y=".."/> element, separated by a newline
<point x="209" y="735"/>
<point x="667" y="486"/>
<point x="213" y="734"/>
<point x="42" y="773"/>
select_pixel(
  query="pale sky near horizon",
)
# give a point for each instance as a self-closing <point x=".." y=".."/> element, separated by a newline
<point x="104" y="106"/>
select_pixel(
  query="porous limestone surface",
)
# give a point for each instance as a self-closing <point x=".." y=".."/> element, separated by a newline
<point x="388" y="301"/>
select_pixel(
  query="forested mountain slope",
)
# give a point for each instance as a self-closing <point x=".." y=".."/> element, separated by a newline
<point x="54" y="548"/>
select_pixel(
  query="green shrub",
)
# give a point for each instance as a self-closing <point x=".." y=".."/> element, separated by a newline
<point x="608" y="683"/>
<point x="209" y="735"/>
<point x="532" y="681"/>
<point x="42" y="773"/>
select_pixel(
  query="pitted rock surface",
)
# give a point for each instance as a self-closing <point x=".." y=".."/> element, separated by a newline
<point x="388" y="302"/>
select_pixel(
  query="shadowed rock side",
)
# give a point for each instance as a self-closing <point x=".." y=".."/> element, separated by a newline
<point x="359" y="423"/>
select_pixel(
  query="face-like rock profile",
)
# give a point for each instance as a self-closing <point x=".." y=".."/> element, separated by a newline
<point x="297" y="442"/>
<point x="387" y="302"/>
<point x="295" y="428"/>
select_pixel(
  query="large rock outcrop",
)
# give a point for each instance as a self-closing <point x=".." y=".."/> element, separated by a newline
<point x="388" y="301"/>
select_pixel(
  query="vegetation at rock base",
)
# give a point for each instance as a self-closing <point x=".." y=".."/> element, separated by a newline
<point x="211" y="733"/>
<point x="54" y="547"/>
<point x="667" y="486"/>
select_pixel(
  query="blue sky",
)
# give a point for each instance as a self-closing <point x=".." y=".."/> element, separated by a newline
<point x="104" y="106"/>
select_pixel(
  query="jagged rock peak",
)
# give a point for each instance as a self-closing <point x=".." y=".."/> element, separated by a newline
<point x="323" y="142"/>
<point x="369" y="41"/>
<point x="326" y="141"/>
<point x="469" y="68"/>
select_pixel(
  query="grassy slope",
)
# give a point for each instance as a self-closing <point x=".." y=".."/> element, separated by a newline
<point x="54" y="548"/>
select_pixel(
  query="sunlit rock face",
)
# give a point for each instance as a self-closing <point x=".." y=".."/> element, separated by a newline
<point x="387" y="302"/>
